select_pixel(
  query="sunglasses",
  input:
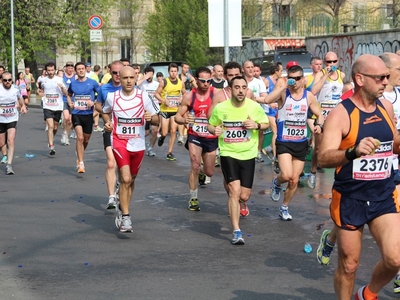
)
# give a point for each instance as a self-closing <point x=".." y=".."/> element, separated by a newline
<point x="297" y="78"/>
<point x="205" y="80"/>
<point x="331" y="61"/>
<point x="114" y="72"/>
<point x="69" y="65"/>
<point x="7" y="80"/>
<point x="377" y="77"/>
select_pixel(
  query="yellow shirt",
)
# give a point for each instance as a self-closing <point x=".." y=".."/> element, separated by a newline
<point x="173" y="93"/>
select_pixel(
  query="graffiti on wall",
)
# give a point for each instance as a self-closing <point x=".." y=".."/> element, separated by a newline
<point x="349" y="48"/>
<point x="249" y="50"/>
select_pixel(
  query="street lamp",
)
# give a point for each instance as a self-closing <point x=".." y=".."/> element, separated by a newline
<point x="12" y="40"/>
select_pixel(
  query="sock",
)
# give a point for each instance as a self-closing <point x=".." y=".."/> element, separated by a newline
<point x="314" y="172"/>
<point x="276" y="182"/>
<point x="193" y="194"/>
<point x="368" y="295"/>
<point x="284" y="206"/>
<point x="127" y="215"/>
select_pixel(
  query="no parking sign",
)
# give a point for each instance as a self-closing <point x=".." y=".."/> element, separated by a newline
<point x="95" y="22"/>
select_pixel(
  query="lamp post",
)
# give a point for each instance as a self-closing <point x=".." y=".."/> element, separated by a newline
<point x="12" y="40"/>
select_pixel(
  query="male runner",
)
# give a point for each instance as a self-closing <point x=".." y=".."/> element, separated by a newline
<point x="69" y="76"/>
<point x="169" y="93"/>
<point x="291" y="143"/>
<point x="129" y="108"/>
<point x="10" y="98"/>
<point x="201" y="144"/>
<point x="81" y="100"/>
<point x="236" y="123"/>
<point x="53" y="88"/>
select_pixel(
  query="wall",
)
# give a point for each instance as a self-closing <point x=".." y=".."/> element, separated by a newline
<point x="350" y="46"/>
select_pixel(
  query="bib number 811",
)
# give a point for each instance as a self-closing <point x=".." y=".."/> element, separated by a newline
<point x="128" y="130"/>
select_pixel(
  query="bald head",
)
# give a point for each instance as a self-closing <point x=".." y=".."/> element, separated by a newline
<point x="389" y="59"/>
<point x="330" y="56"/>
<point x="128" y="79"/>
<point x="368" y="64"/>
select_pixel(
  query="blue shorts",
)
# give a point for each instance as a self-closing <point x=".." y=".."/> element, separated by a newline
<point x="351" y="214"/>
<point x="208" y="145"/>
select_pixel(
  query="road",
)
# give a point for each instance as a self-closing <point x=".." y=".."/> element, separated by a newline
<point x="59" y="242"/>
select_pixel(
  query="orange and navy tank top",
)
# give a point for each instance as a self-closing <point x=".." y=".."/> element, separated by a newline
<point x="370" y="177"/>
<point x="200" y="109"/>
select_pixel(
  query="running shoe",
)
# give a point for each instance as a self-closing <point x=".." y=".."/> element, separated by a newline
<point x="360" y="294"/>
<point x="98" y="129"/>
<point x="81" y="167"/>
<point x="125" y="224"/>
<point x="116" y="189"/>
<point x="276" y="166"/>
<point x="67" y="143"/>
<point x="312" y="180"/>
<point x="284" y="213"/>
<point x="47" y="128"/>
<point x="118" y="217"/>
<point x="171" y="157"/>
<point x="275" y="190"/>
<point x="52" y="151"/>
<point x="396" y="284"/>
<point x="237" y="238"/>
<point x="180" y="140"/>
<point x="160" y="141"/>
<point x="150" y="152"/>
<point x="4" y="160"/>
<point x="202" y="178"/>
<point x="73" y="134"/>
<point x="111" y="202"/>
<point x="259" y="157"/>
<point x="208" y="180"/>
<point x="9" y="170"/>
<point x="324" y="249"/>
<point x="63" y="137"/>
<point x="194" y="204"/>
<point x="244" y="210"/>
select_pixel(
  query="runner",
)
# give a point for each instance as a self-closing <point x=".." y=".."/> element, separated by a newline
<point x="53" y="88"/>
<point x="359" y="133"/>
<point x="218" y="81"/>
<point x="169" y="93"/>
<point x="236" y="123"/>
<point x="111" y="178"/>
<point x="291" y="143"/>
<point x="150" y="86"/>
<point x="81" y="100"/>
<point x="68" y="77"/>
<point x="10" y="98"/>
<point x="29" y="81"/>
<point x="129" y="108"/>
<point x="200" y="143"/>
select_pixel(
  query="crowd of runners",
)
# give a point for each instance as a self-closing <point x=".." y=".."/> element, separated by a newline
<point x="220" y="114"/>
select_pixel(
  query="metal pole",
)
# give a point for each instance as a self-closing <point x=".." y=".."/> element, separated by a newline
<point x="12" y="40"/>
<point x="226" y="32"/>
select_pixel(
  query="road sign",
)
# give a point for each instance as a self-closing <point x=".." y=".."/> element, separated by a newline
<point x="95" y="22"/>
<point x="96" y="36"/>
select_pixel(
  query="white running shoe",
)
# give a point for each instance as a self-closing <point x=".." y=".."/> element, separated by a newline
<point x="111" y="202"/>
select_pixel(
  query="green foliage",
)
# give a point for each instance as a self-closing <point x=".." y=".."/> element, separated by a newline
<point x="178" y="30"/>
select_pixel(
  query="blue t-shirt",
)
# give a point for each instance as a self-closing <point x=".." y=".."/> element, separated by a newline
<point x="67" y="82"/>
<point x="104" y="90"/>
<point x="82" y="92"/>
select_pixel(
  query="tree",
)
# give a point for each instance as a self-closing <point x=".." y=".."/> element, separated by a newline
<point x="177" y="30"/>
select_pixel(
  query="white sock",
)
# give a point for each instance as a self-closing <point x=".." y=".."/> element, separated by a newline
<point x="193" y="194"/>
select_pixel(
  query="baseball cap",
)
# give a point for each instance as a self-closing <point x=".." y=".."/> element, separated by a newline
<point x="159" y="74"/>
<point x="88" y="64"/>
<point x="291" y="64"/>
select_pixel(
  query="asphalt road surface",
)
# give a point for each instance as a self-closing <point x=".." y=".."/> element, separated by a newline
<point x="59" y="242"/>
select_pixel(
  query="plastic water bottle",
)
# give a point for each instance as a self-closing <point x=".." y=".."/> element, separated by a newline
<point x="291" y="82"/>
<point x="333" y="69"/>
<point x="307" y="248"/>
<point x="29" y="155"/>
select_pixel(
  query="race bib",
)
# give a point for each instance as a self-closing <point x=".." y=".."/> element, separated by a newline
<point x="129" y="128"/>
<point x="294" y="130"/>
<point x="200" y="127"/>
<point x="52" y="99"/>
<point x="174" y="101"/>
<point x="8" y="110"/>
<point x="326" y="108"/>
<point x="81" y="102"/>
<point x="375" y="167"/>
<point x="235" y="132"/>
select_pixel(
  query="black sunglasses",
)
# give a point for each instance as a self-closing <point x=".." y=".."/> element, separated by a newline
<point x="204" y="80"/>
<point x="377" y="77"/>
<point x="297" y="78"/>
<point x="69" y="65"/>
<point x="331" y="61"/>
<point x="115" y="72"/>
<point x="7" y="80"/>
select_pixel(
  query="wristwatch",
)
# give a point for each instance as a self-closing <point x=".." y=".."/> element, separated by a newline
<point x="258" y="126"/>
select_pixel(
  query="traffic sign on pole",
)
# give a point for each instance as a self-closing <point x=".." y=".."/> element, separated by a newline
<point x="95" y="22"/>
